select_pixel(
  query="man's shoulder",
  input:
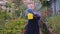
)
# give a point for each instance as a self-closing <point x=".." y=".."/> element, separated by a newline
<point x="30" y="11"/>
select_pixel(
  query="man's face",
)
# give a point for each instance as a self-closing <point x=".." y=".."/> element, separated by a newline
<point x="31" y="6"/>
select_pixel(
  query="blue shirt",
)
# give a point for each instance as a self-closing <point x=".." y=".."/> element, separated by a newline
<point x="33" y="12"/>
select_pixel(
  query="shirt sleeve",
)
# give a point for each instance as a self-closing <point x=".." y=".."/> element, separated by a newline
<point x="39" y="14"/>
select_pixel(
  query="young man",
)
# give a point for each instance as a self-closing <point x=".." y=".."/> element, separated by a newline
<point x="33" y="24"/>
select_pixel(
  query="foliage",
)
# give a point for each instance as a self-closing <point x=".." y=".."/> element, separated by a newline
<point x="8" y="4"/>
<point x="13" y="26"/>
<point x="3" y="15"/>
<point x="10" y="26"/>
<point x="54" y="22"/>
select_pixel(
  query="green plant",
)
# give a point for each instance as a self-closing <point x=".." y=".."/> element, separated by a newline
<point x="14" y="26"/>
<point x="54" y="22"/>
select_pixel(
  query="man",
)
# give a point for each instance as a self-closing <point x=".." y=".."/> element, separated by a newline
<point x="33" y="24"/>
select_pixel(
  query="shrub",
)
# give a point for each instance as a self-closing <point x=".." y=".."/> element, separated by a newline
<point x="54" y="22"/>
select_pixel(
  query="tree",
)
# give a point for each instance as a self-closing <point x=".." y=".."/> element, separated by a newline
<point x="18" y="2"/>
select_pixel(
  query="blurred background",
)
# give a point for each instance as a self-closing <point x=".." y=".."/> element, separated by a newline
<point x="12" y="18"/>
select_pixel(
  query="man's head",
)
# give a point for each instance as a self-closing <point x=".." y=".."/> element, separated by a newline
<point x="31" y="5"/>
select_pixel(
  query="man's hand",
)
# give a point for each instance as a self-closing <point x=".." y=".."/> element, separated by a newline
<point x="36" y="16"/>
